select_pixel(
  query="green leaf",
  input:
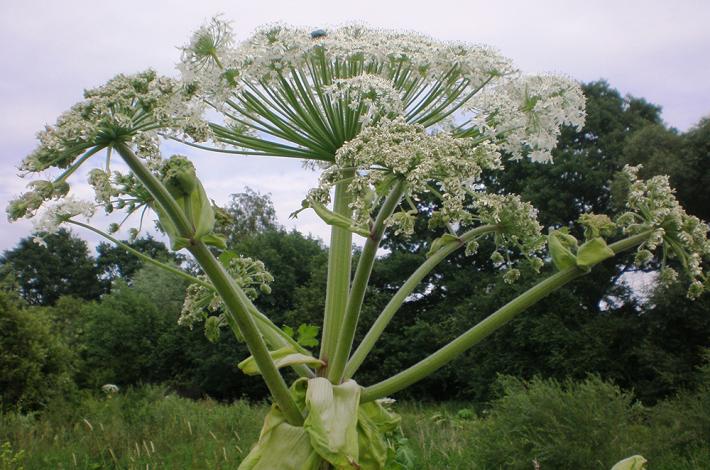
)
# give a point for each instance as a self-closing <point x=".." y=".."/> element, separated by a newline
<point x="337" y="220"/>
<point x="215" y="239"/>
<point x="592" y="252"/>
<point x="308" y="335"/>
<point x="281" y="446"/>
<point x="332" y="421"/>
<point x="201" y="212"/>
<point x="282" y="357"/>
<point x="559" y="245"/>
<point x="440" y="242"/>
<point x="374" y="423"/>
<point x="635" y="462"/>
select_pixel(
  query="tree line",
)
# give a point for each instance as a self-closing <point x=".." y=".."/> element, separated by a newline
<point x="71" y="321"/>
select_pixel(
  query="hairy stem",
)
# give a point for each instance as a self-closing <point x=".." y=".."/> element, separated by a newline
<point x="407" y="288"/>
<point x="490" y="324"/>
<point x="359" y="285"/>
<point x="339" y="266"/>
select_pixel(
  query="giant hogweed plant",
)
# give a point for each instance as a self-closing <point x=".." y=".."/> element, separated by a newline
<point x="387" y="118"/>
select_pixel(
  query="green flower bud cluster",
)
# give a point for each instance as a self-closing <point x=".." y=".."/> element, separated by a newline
<point x="518" y="231"/>
<point x="204" y="304"/>
<point x="652" y="206"/>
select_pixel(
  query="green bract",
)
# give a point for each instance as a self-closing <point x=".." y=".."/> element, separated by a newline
<point x="337" y="430"/>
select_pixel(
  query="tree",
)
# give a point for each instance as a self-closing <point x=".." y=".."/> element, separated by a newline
<point x="114" y="262"/>
<point x="247" y="214"/>
<point x="45" y="273"/>
<point x="35" y="364"/>
<point x="124" y="339"/>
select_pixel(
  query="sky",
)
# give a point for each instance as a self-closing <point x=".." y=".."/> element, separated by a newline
<point x="53" y="50"/>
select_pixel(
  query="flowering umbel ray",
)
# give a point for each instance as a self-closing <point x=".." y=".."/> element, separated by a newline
<point x="287" y="92"/>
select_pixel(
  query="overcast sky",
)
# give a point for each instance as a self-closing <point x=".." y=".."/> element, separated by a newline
<point x="52" y="50"/>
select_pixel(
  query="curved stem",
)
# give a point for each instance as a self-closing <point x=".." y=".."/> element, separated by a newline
<point x="238" y="308"/>
<point x="490" y="324"/>
<point x="142" y="256"/>
<point x="404" y="291"/>
<point x="338" y="282"/>
<point x="238" y="304"/>
<point x="77" y="164"/>
<point x="359" y="285"/>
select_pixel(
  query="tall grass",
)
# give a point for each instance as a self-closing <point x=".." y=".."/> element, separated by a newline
<point x="139" y="429"/>
<point x="538" y="424"/>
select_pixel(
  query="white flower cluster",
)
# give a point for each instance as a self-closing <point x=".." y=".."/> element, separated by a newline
<point x="109" y="389"/>
<point x="202" y="302"/>
<point x="385" y="104"/>
<point x="370" y="96"/>
<point x="379" y="73"/>
<point x="58" y="213"/>
<point x="439" y="163"/>
<point x="128" y="108"/>
<point x="275" y="50"/>
<point x="525" y="114"/>
<point x="519" y="229"/>
<point x="125" y="107"/>
<point x="652" y="206"/>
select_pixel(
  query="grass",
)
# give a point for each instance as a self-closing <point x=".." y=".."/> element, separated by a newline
<point x="146" y="428"/>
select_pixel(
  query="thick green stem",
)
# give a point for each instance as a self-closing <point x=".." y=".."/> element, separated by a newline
<point x="274" y="335"/>
<point x="407" y="288"/>
<point x="339" y="266"/>
<point x="238" y="304"/>
<point x="238" y="307"/>
<point x="359" y="285"/>
<point x="486" y="327"/>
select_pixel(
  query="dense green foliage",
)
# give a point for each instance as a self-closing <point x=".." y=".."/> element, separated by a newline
<point x="35" y="363"/>
<point x="44" y="273"/>
<point x="115" y="263"/>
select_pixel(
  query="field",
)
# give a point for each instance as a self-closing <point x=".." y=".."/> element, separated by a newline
<point x="544" y="425"/>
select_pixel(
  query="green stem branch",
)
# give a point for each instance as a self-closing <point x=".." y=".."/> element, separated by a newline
<point x="238" y="304"/>
<point x="486" y="327"/>
<point x="404" y="291"/>
<point x="339" y="266"/>
<point x="274" y="335"/>
<point x="359" y="285"/>
<point x="238" y="308"/>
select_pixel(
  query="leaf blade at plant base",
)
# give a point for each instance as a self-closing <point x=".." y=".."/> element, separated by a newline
<point x="281" y="446"/>
<point x="332" y="421"/>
